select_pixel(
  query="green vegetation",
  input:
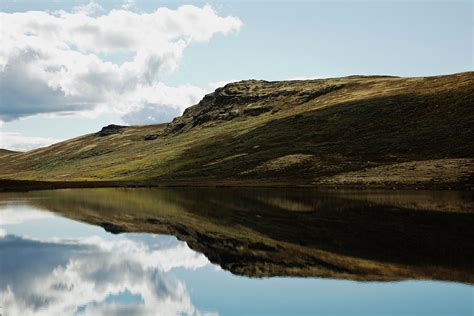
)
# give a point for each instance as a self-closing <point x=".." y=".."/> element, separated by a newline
<point x="376" y="131"/>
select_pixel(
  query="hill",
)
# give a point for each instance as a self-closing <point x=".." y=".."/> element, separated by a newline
<point x="4" y="152"/>
<point x="359" y="130"/>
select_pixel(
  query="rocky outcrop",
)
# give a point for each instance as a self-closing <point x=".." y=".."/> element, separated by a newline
<point x="151" y="136"/>
<point x="248" y="98"/>
<point x="110" y="130"/>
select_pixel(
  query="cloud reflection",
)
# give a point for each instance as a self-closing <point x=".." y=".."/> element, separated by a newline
<point x="94" y="276"/>
<point x="11" y="214"/>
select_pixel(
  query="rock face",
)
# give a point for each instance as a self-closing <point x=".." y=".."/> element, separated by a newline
<point x="151" y="136"/>
<point x="110" y="130"/>
<point x="247" y="98"/>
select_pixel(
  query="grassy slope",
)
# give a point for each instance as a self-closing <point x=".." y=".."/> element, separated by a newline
<point x="5" y="152"/>
<point x="363" y="131"/>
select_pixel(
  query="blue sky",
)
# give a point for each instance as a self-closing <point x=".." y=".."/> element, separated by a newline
<point x="276" y="40"/>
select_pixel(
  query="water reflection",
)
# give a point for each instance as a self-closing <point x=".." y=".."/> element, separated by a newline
<point x="51" y="265"/>
<point x="93" y="275"/>
<point x="259" y="232"/>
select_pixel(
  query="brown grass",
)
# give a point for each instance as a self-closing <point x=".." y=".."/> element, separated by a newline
<point x="329" y="131"/>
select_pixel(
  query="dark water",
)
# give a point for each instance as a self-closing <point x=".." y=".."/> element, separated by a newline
<point x="236" y="252"/>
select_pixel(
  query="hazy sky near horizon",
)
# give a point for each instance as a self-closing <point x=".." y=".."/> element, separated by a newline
<point x="70" y="67"/>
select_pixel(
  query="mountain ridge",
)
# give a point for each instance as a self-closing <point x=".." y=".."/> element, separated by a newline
<point x="349" y="131"/>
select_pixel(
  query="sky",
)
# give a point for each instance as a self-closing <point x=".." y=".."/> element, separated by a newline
<point x="68" y="68"/>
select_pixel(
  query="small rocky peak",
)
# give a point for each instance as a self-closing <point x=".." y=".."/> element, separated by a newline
<point x="110" y="129"/>
<point x="248" y="98"/>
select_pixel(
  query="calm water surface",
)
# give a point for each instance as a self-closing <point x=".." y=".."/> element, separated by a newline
<point x="56" y="259"/>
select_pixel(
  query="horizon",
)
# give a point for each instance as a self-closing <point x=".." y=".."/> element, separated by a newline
<point x="190" y="60"/>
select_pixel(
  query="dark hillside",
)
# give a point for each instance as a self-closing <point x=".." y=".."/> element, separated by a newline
<point x="358" y="130"/>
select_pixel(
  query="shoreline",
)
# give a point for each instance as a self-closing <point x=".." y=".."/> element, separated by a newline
<point x="9" y="185"/>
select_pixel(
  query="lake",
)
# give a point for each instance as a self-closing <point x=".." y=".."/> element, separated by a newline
<point x="236" y="251"/>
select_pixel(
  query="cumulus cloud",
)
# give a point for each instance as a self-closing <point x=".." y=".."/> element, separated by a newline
<point x="60" y="62"/>
<point x="128" y="4"/>
<point x="19" y="142"/>
<point x="88" y="9"/>
<point x="160" y="103"/>
<point x="151" y="113"/>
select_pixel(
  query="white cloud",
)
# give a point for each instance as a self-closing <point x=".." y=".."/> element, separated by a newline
<point x="88" y="9"/>
<point x="128" y="4"/>
<point x="160" y="103"/>
<point x="19" y="142"/>
<point x="152" y="114"/>
<point x="60" y="62"/>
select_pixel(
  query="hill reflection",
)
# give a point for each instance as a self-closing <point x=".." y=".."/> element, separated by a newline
<point x="298" y="232"/>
